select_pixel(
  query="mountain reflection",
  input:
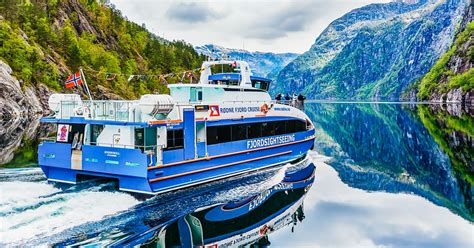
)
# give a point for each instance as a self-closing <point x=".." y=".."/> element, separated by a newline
<point x="400" y="148"/>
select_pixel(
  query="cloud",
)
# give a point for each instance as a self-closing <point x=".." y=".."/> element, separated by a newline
<point x="287" y="19"/>
<point x="263" y="25"/>
<point x="192" y="12"/>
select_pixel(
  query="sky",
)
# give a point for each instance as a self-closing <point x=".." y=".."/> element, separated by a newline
<point x="267" y="26"/>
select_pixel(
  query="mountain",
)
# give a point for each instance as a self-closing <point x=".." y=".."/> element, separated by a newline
<point x="420" y="149"/>
<point x="452" y="77"/>
<point x="44" y="41"/>
<point x="376" y="51"/>
<point x="263" y="64"/>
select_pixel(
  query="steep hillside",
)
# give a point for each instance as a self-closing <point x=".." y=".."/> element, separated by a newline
<point x="44" y="41"/>
<point x="452" y="77"/>
<point x="263" y="64"/>
<point x="374" y="52"/>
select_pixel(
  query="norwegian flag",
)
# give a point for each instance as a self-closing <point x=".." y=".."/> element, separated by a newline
<point x="74" y="80"/>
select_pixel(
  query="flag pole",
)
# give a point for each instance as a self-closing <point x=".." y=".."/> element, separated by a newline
<point x="85" y="83"/>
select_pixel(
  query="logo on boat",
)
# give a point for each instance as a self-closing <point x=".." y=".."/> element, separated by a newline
<point x="270" y="141"/>
<point x="230" y="110"/>
<point x="259" y="199"/>
<point x="214" y="110"/>
<point x="111" y="154"/>
<point x="63" y="131"/>
<point x="264" y="108"/>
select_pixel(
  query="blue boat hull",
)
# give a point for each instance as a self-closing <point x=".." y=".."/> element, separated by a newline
<point x="135" y="171"/>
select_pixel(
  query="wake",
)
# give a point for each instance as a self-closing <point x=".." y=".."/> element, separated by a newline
<point x="32" y="210"/>
<point x="35" y="212"/>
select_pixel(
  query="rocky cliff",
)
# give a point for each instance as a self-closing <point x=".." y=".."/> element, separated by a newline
<point x="376" y="51"/>
<point x="42" y="42"/>
<point x="20" y="108"/>
<point x="451" y="79"/>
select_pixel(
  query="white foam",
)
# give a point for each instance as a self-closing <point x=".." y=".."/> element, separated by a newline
<point x="72" y="210"/>
<point x="15" y="194"/>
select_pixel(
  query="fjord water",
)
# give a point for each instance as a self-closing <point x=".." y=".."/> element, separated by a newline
<point x="387" y="175"/>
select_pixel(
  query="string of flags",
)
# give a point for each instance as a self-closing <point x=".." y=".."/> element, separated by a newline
<point x="109" y="76"/>
<point x="78" y="79"/>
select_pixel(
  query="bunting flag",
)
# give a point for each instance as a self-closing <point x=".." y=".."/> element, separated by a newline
<point x="188" y="74"/>
<point x="74" y="80"/>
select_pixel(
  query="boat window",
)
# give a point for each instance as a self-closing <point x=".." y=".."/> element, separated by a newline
<point x="95" y="131"/>
<point x="195" y="94"/>
<point x="260" y="84"/>
<point x="139" y="138"/>
<point x="239" y="132"/>
<point x="254" y="130"/>
<point x="174" y="139"/>
<point x="221" y="134"/>
<point x="279" y="127"/>
<point x="211" y="135"/>
<point x="268" y="128"/>
<point x="200" y="95"/>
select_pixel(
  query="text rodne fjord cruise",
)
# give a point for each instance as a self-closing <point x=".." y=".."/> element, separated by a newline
<point x="223" y="126"/>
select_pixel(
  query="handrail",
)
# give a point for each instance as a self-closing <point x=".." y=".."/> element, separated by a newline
<point x="53" y="139"/>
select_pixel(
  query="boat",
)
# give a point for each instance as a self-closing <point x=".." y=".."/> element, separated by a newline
<point x="224" y="125"/>
<point x="245" y="223"/>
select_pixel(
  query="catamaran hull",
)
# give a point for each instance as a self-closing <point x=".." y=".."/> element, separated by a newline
<point x="134" y="172"/>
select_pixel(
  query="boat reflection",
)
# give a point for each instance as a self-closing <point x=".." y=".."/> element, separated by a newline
<point x="246" y="222"/>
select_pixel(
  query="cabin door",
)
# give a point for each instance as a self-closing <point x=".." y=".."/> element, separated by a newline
<point x="189" y="130"/>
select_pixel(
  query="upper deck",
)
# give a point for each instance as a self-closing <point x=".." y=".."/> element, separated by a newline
<point x="226" y="91"/>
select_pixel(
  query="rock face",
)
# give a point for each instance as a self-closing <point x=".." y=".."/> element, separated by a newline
<point x="376" y="51"/>
<point x="19" y="112"/>
<point x="263" y="64"/>
<point x="104" y="93"/>
<point x="460" y="62"/>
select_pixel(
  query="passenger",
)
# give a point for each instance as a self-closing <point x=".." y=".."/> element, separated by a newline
<point x="287" y="99"/>
<point x="278" y="97"/>
<point x="294" y="99"/>
<point x="301" y="99"/>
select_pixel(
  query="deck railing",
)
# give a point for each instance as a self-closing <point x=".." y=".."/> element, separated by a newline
<point x="115" y="110"/>
<point x="143" y="148"/>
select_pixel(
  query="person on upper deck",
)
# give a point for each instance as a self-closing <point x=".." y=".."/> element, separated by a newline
<point x="278" y="97"/>
<point x="301" y="97"/>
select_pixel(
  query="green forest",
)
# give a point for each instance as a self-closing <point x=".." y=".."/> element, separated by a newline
<point x="44" y="41"/>
<point x="440" y="78"/>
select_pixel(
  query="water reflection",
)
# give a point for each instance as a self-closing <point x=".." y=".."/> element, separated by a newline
<point x="246" y="222"/>
<point x="400" y="148"/>
<point x="394" y="175"/>
<point x="338" y="215"/>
